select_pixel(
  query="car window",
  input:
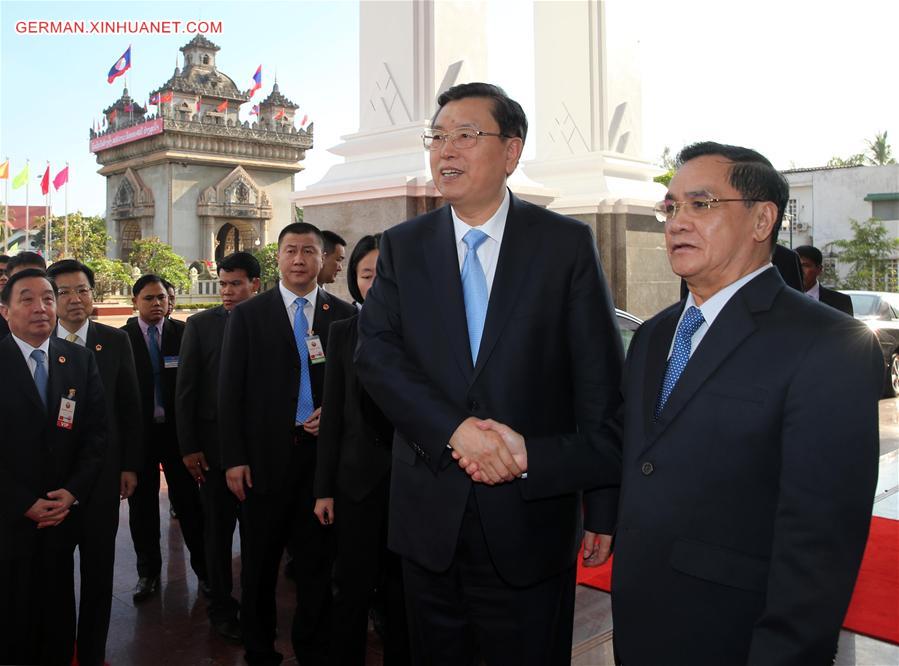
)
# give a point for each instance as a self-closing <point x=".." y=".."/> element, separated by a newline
<point x="865" y="304"/>
<point x="627" y="328"/>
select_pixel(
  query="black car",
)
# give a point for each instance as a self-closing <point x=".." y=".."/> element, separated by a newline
<point x="880" y="311"/>
<point x="627" y="326"/>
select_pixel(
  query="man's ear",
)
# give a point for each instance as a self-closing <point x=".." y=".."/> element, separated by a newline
<point x="765" y="221"/>
<point x="514" y="148"/>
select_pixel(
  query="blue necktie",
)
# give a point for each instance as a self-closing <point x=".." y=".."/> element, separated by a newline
<point x="40" y="374"/>
<point x="305" y="405"/>
<point x="153" y="347"/>
<point x="474" y="290"/>
<point x="691" y="322"/>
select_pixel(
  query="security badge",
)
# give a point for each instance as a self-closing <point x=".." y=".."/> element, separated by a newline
<point x="315" y="349"/>
<point x="66" y="411"/>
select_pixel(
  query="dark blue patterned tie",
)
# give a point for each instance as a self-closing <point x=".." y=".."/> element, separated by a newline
<point x="40" y="373"/>
<point x="153" y="347"/>
<point x="305" y="403"/>
<point x="691" y="322"/>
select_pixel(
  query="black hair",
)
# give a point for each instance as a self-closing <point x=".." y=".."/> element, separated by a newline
<point x="66" y="266"/>
<point x="507" y="113"/>
<point x="332" y="240"/>
<point x="26" y="259"/>
<point x="365" y="245"/>
<point x="168" y="285"/>
<point x="810" y="252"/>
<point x="144" y="280"/>
<point x="241" y="261"/>
<point x="752" y="174"/>
<point x="4" y="258"/>
<point x="302" y="228"/>
<point x="6" y="292"/>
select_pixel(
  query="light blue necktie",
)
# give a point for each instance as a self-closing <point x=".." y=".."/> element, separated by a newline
<point x="474" y="290"/>
<point x="153" y="348"/>
<point x="305" y="404"/>
<point x="40" y="373"/>
<point x="691" y="322"/>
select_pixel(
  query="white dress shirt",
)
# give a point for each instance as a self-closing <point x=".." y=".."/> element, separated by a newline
<point x="713" y="307"/>
<point x="26" y="350"/>
<point x="308" y="309"/>
<point x="488" y="252"/>
<point x="815" y="292"/>
<point x="61" y="332"/>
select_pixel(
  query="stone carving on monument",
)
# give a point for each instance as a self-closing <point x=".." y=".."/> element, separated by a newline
<point x="177" y="159"/>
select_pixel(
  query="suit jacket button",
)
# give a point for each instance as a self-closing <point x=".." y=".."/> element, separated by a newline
<point x="647" y="468"/>
<point x="474" y="405"/>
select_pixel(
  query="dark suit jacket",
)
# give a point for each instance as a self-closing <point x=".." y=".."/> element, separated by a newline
<point x="115" y="360"/>
<point x="36" y="455"/>
<point x="259" y="380"/>
<point x="744" y="510"/>
<point x="835" y="299"/>
<point x="549" y="366"/>
<point x="172" y="330"/>
<point x="355" y="437"/>
<point x="196" y="396"/>
<point x="4" y="328"/>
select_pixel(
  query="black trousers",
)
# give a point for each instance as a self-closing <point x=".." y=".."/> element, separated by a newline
<point x="96" y="547"/>
<point x="162" y="447"/>
<point x="363" y="564"/>
<point x="271" y="521"/>
<point x="37" y="604"/>
<point x="469" y="613"/>
<point x="220" y="515"/>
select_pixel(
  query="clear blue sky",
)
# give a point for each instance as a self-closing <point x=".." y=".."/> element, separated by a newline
<point x="799" y="80"/>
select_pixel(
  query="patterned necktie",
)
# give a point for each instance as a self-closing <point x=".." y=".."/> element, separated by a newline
<point x="153" y="347"/>
<point x="474" y="290"/>
<point x="691" y="322"/>
<point x="40" y="373"/>
<point x="305" y="404"/>
<point x="72" y="337"/>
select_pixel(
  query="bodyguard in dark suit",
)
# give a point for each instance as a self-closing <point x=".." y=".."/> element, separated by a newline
<point x="748" y="472"/>
<point x="156" y="342"/>
<point x="812" y="267"/>
<point x="352" y="477"/>
<point x="196" y="402"/>
<point x="270" y="391"/>
<point x="52" y="449"/>
<point x="518" y="373"/>
<point x="4" y="260"/>
<point x="118" y="477"/>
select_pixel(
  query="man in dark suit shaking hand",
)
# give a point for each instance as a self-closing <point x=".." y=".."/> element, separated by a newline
<point x="271" y="382"/>
<point x="751" y="444"/>
<point x="489" y="336"/>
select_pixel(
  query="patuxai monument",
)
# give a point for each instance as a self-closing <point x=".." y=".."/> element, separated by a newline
<point x="193" y="174"/>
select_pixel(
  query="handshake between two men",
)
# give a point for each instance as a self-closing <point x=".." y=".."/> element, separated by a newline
<point x="491" y="452"/>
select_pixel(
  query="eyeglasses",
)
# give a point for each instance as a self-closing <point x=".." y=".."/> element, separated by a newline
<point x="666" y="210"/>
<point x="80" y="292"/>
<point x="461" y="138"/>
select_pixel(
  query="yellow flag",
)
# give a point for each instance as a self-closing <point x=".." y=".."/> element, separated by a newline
<point x="19" y="180"/>
<point x="4" y="170"/>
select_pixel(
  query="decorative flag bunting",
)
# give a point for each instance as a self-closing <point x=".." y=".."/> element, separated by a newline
<point x="280" y="114"/>
<point x="257" y="80"/>
<point x="255" y="110"/>
<point x="61" y="178"/>
<point x="21" y="179"/>
<point x="4" y="170"/>
<point x="221" y="108"/>
<point x="45" y="181"/>
<point x="121" y="66"/>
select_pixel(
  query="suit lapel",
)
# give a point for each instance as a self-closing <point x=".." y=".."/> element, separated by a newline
<point x="280" y="319"/>
<point x="656" y="363"/>
<point x="442" y="260"/>
<point x="56" y="387"/>
<point x="21" y="374"/>
<point x="514" y="257"/>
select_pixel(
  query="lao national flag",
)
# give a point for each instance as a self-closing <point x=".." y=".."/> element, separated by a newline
<point x="121" y="66"/>
<point x="154" y="99"/>
<point x="255" y="110"/>
<point x="257" y="80"/>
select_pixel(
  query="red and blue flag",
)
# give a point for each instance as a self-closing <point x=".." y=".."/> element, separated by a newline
<point x="121" y="66"/>
<point x="257" y="80"/>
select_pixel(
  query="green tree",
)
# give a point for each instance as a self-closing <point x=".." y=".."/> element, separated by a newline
<point x="866" y="252"/>
<point x="87" y="237"/>
<point x="109" y="276"/>
<point x="879" y="151"/>
<point x="853" y="160"/>
<point x="666" y="161"/>
<point x="267" y="256"/>
<point x="151" y="255"/>
<point x="297" y="214"/>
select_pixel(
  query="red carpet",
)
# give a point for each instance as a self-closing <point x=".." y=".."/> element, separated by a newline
<point x="874" y="609"/>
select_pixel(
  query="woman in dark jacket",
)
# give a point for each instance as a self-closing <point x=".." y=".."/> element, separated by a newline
<point x="352" y="479"/>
